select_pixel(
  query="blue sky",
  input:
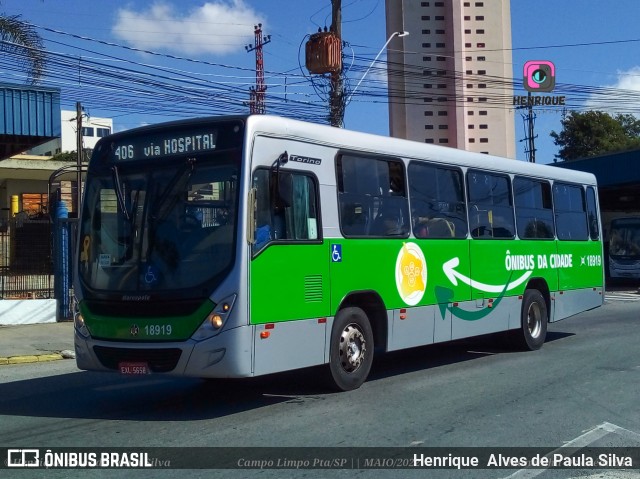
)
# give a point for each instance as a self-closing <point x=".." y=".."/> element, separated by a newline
<point x="215" y="32"/>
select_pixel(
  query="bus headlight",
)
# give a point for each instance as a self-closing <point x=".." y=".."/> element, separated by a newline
<point x="215" y="320"/>
<point x="80" y="326"/>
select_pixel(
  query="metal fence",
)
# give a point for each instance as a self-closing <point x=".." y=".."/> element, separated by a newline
<point x="26" y="267"/>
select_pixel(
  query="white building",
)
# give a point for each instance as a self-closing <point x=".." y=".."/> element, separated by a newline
<point x="93" y="129"/>
<point x="456" y="88"/>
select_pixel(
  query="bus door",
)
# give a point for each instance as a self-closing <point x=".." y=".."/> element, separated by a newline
<point x="289" y="267"/>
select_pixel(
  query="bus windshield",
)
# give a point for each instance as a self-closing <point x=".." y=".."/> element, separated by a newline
<point x="625" y="239"/>
<point x="163" y="228"/>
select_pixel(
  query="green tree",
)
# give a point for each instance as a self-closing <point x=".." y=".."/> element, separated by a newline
<point x="594" y="133"/>
<point x="21" y="40"/>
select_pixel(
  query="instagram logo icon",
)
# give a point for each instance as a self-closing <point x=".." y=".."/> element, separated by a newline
<point x="539" y="76"/>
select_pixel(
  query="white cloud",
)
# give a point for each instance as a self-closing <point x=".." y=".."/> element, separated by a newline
<point x="621" y="97"/>
<point x="217" y="27"/>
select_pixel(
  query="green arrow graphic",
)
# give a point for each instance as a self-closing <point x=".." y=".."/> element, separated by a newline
<point x="444" y="296"/>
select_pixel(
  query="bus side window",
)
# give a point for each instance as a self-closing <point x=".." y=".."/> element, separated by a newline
<point x="294" y="220"/>
<point x="372" y="197"/>
<point x="437" y="201"/>
<point x="571" y="214"/>
<point x="592" y="214"/>
<point x="490" y="205"/>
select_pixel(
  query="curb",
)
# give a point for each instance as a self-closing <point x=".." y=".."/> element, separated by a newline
<point x="39" y="358"/>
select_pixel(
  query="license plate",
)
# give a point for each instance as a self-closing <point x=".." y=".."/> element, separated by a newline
<point x="134" y="369"/>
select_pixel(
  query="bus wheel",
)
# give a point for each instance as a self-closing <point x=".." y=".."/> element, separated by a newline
<point x="351" y="352"/>
<point x="533" y="323"/>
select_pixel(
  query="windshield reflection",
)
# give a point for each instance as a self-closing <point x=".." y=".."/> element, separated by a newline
<point x="159" y="230"/>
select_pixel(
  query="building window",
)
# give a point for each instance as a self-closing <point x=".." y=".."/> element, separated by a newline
<point x="424" y="4"/>
<point x="442" y="72"/>
<point x="483" y="113"/>
<point x="442" y="86"/>
<point x="479" y="18"/>
<point x="472" y="140"/>
<point x="467" y="18"/>
<point x="429" y="140"/>
<point x="442" y="99"/>
<point x="470" y="113"/>
<point x="443" y="140"/>
<point x="471" y="127"/>
<point x="482" y="99"/>
<point x="480" y="45"/>
<point x="428" y="85"/>
<point x="467" y="4"/>
<point x="467" y="45"/>
<point x="428" y="127"/>
<point x="469" y="85"/>
<point x="426" y="59"/>
<point x="440" y="45"/>
<point x="427" y="100"/>
<point x="470" y="99"/>
<point x="35" y="204"/>
<point x="482" y="59"/>
<point x="439" y="4"/>
<point x="480" y="31"/>
<point x="469" y="72"/>
<point x="441" y="59"/>
<point x="426" y="45"/>
<point x="467" y="31"/>
<point x="442" y="113"/>
<point x="443" y="127"/>
<point x="428" y="113"/>
<point x="468" y="59"/>
<point x="87" y="131"/>
<point x="439" y="17"/>
<point x="482" y="85"/>
<point x="439" y="32"/>
<point x="482" y="72"/>
<point x="102" y="132"/>
<point x="479" y="4"/>
<point x="484" y="140"/>
<point x="484" y="127"/>
<point x="427" y="73"/>
<point x="426" y="17"/>
<point x="426" y="32"/>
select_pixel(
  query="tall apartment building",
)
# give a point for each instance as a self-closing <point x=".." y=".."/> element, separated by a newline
<point x="455" y="87"/>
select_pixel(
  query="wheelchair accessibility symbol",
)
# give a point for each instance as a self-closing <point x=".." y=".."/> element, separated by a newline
<point x="336" y="253"/>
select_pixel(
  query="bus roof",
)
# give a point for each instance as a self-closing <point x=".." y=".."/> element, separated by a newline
<point x="365" y="142"/>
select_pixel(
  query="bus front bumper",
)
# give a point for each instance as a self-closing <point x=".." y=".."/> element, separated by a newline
<point x="227" y="355"/>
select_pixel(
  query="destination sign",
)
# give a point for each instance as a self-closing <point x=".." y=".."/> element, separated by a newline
<point x="164" y="144"/>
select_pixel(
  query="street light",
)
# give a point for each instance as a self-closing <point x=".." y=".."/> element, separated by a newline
<point x="398" y="34"/>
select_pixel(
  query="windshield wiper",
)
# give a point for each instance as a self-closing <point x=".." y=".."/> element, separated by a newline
<point x="176" y="185"/>
<point x="120" y="193"/>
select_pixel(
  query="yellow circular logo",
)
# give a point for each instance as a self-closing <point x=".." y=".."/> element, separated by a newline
<point x="411" y="273"/>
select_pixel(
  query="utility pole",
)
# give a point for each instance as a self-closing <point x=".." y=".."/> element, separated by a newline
<point x="256" y="94"/>
<point x="78" y="158"/>
<point x="530" y="120"/>
<point x="336" y="94"/>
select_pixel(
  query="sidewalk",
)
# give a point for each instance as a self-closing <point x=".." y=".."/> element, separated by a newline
<point x="31" y="343"/>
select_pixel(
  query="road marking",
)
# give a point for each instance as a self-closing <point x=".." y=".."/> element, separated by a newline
<point x="622" y="296"/>
<point x="583" y="440"/>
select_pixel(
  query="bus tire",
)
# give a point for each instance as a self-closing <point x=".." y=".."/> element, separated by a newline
<point x="533" y="322"/>
<point x="351" y="350"/>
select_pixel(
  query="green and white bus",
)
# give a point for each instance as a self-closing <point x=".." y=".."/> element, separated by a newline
<point x="243" y="246"/>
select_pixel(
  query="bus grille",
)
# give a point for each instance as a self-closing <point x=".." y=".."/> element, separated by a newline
<point x="159" y="360"/>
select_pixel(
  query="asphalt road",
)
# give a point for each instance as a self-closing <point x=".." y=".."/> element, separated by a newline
<point x="468" y="393"/>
